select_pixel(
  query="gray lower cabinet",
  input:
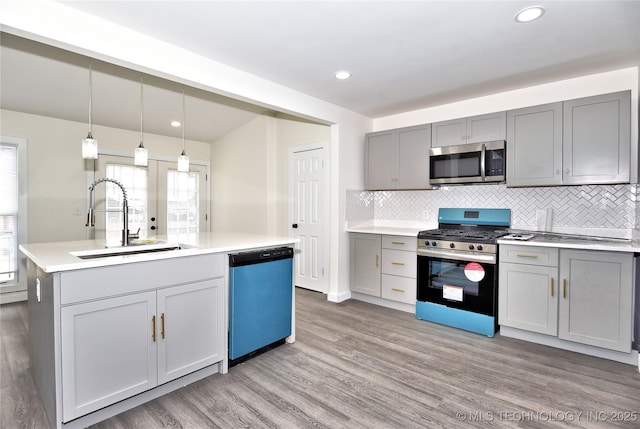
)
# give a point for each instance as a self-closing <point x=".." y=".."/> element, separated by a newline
<point x="398" y="159"/>
<point x="365" y="250"/>
<point x="474" y="129"/>
<point x="581" y="141"/>
<point x="384" y="266"/>
<point x="577" y="295"/>
<point x="595" y="300"/>
<point x="528" y="293"/>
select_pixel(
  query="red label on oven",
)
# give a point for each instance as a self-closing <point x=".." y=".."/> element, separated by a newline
<point x="474" y="271"/>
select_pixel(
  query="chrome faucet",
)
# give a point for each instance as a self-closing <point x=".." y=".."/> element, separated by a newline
<point x="91" y="220"/>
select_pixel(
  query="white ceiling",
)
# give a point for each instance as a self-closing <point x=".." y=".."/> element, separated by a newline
<point x="403" y="55"/>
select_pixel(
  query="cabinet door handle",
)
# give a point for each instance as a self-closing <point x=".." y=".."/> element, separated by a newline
<point x="162" y="326"/>
<point x="153" y="328"/>
<point x="552" y="287"/>
<point x="397" y="263"/>
<point x="397" y="290"/>
<point x="564" y="288"/>
<point x="398" y="242"/>
<point x="377" y="261"/>
<point x="525" y="255"/>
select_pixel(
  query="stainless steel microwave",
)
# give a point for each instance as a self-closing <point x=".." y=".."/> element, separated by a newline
<point x="467" y="163"/>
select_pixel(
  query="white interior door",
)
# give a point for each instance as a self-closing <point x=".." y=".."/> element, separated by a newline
<point x="162" y="201"/>
<point x="308" y="217"/>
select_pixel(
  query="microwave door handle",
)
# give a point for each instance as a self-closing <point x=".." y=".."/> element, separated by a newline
<point x="483" y="157"/>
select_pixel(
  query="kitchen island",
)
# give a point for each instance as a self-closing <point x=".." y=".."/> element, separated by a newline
<point x="112" y="328"/>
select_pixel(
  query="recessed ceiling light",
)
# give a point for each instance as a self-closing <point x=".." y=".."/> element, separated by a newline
<point x="176" y="123"/>
<point x="342" y="75"/>
<point x="529" y="14"/>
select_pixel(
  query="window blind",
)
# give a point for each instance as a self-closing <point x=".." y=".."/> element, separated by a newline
<point x="8" y="213"/>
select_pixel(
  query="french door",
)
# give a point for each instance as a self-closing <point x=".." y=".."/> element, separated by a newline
<point x="161" y="200"/>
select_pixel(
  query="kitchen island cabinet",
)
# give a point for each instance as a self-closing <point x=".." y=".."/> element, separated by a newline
<point x="398" y="159"/>
<point x="581" y="300"/>
<point x="109" y="333"/>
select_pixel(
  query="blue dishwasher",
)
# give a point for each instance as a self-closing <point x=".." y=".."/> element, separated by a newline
<point x="260" y="301"/>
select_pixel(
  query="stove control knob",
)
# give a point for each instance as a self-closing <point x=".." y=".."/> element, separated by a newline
<point x="479" y="246"/>
<point x="452" y="245"/>
<point x="471" y="247"/>
<point x="434" y="244"/>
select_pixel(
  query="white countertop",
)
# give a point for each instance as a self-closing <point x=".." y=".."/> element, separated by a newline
<point x="406" y="229"/>
<point x="57" y="256"/>
<point x="631" y="246"/>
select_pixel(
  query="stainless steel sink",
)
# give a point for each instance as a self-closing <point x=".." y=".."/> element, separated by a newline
<point x="124" y="251"/>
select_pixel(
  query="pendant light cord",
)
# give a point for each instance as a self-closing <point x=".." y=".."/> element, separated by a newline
<point x="183" y="121"/>
<point x="90" y="99"/>
<point x="141" y="111"/>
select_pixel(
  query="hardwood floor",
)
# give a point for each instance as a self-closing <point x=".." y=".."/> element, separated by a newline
<point x="356" y="365"/>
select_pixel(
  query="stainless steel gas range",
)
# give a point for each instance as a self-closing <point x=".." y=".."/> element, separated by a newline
<point x="458" y="269"/>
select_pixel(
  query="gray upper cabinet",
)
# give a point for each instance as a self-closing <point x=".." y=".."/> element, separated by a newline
<point x="534" y="145"/>
<point x="575" y="142"/>
<point x="398" y="159"/>
<point x="474" y="129"/>
<point x="597" y="139"/>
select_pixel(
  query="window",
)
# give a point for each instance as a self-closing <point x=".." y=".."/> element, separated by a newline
<point x="134" y="179"/>
<point x="13" y="212"/>
<point x="183" y="214"/>
<point x="162" y="201"/>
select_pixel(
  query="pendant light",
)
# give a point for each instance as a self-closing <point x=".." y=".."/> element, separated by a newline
<point x="183" y="159"/>
<point x="90" y="145"/>
<point x="141" y="157"/>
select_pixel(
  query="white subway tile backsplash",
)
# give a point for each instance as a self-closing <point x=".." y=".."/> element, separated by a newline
<point x="590" y="206"/>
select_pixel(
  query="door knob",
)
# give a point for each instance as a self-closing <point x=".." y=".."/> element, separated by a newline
<point x="153" y="219"/>
<point x="153" y="228"/>
<point x="294" y="226"/>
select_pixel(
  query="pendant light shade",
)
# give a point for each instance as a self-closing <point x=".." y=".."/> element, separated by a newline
<point x="141" y="156"/>
<point x="183" y="162"/>
<point x="183" y="159"/>
<point x="89" y="144"/>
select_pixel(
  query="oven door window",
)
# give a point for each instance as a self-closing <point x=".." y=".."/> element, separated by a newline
<point x="465" y="285"/>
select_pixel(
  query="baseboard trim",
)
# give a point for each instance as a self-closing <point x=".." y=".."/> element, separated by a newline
<point x="396" y="305"/>
<point x="631" y="358"/>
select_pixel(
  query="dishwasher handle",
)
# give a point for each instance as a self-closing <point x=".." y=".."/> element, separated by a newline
<point x="259" y="256"/>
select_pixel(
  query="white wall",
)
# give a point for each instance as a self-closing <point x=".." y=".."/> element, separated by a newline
<point x="250" y="174"/>
<point x="57" y="174"/>
<point x="601" y="83"/>
<point x="238" y="179"/>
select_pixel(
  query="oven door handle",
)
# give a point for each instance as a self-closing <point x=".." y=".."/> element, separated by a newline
<point x="459" y="256"/>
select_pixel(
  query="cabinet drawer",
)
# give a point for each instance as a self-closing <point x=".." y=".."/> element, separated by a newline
<point x="399" y="242"/>
<point x="401" y="289"/>
<point x="546" y="256"/>
<point x="399" y="263"/>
